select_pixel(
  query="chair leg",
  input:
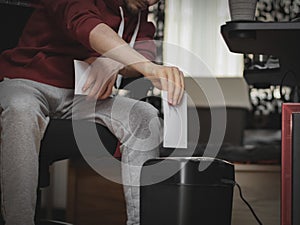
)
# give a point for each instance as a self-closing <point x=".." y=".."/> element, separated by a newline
<point x="38" y="207"/>
<point x="1" y="217"/>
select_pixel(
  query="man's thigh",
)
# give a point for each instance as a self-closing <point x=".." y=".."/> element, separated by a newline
<point x="20" y="95"/>
<point x="113" y="109"/>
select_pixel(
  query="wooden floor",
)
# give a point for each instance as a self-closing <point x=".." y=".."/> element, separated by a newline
<point x="261" y="187"/>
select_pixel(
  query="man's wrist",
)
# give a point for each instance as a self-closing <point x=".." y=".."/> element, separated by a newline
<point x="143" y="68"/>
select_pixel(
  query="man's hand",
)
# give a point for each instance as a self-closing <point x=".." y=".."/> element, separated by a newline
<point x="169" y="79"/>
<point x="102" y="77"/>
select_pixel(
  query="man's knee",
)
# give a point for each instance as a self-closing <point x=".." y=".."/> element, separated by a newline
<point x="145" y="109"/>
<point x="21" y="108"/>
<point x="144" y="120"/>
<point x="22" y="116"/>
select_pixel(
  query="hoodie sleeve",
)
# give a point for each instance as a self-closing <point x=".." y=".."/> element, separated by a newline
<point x="77" y="17"/>
<point x="145" y="43"/>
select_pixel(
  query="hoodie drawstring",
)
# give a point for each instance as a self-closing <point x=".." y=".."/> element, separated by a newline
<point x="132" y="41"/>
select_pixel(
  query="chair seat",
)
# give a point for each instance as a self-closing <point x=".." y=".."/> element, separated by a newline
<point x="59" y="143"/>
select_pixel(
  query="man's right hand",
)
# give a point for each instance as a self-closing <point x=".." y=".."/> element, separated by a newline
<point x="166" y="78"/>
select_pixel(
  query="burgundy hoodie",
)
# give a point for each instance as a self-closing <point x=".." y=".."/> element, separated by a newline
<point x="58" y="32"/>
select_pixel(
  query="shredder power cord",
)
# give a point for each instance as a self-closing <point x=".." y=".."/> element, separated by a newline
<point x="234" y="183"/>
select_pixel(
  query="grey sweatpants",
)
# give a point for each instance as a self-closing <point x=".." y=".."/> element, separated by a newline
<point x="26" y="108"/>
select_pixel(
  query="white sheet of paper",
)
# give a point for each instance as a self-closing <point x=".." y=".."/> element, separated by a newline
<point x="175" y="123"/>
<point x="82" y="70"/>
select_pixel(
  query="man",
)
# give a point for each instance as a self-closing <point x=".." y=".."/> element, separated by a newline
<point x="38" y="84"/>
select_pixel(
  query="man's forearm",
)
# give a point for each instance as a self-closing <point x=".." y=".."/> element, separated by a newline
<point x="106" y="41"/>
<point x="127" y="71"/>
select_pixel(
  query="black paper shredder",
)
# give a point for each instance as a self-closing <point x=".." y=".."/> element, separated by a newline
<point x="186" y="191"/>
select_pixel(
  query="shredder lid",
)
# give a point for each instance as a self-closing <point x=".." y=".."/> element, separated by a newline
<point x="187" y="171"/>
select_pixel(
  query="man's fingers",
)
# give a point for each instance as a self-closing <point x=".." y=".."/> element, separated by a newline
<point x="95" y="91"/>
<point x="171" y="85"/>
<point x="92" y="96"/>
<point x="104" y="94"/>
<point x="177" y="86"/>
<point x="163" y="81"/>
<point x="177" y="94"/>
<point x="181" y="77"/>
<point x="89" y="82"/>
<point x="107" y="92"/>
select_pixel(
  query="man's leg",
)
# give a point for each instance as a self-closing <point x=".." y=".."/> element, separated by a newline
<point x="137" y="126"/>
<point x="23" y="122"/>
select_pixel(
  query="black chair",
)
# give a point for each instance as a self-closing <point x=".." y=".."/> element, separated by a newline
<point x="59" y="142"/>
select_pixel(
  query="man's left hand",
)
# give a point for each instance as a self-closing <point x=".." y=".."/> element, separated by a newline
<point x="101" y="78"/>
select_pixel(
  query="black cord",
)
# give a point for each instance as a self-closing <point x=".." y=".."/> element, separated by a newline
<point x="249" y="206"/>
<point x="233" y="183"/>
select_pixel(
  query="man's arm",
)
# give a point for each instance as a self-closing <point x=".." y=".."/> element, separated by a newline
<point x="106" y="41"/>
<point x="75" y="17"/>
